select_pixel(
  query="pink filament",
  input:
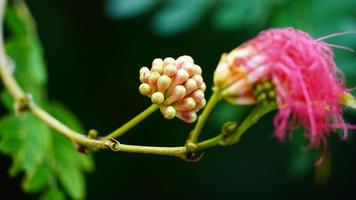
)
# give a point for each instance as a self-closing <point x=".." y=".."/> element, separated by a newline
<point x="308" y="83"/>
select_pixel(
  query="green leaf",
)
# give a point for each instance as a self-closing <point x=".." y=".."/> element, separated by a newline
<point x="53" y="194"/>
<point x="27" y="54"/>
<point x="16" y="167"/>
<point x="43" y="154"/>
<point x="30" y="139"/>
<point x="64" y="115"/>
<point x="231" y="14"/>
<point x="10" y="140"/>
<point x="300" y="162"/>
<point x="14" y="22"/>
<point x="24" y="47"/>
<point x="45" y="157"/>
<point x="30" y="136"/>
<point x="7" y="100"/>
<point x="178" y="16"/>
<point x="36" y="140"/>
<point x="10" y="145"/>
<point x="72" y="180"/>
<point x="121" y="9"/>
<point x="227" y="112"/>
<point x="38" y="180"/>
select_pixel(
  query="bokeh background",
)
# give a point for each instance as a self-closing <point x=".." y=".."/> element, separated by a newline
<point x="94" y="49"/>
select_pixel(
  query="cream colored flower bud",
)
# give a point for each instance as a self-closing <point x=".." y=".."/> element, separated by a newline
<point x="186" y="104"/>
<point x="145" y="89"/>
<point x="184" y="59"/>
<point x="157" y="68"/>
<point x="199" y="79"/>
<point x="197" y="95"/>
<point x="169" y="60"/>
<point x="200" y="104"/>
<point x="153" y="78"/>
<point x="144" y="70"/>
<point x="190" y="85"/>
<point x="178" y="93"/>
<point x="168" y="112"/>
<point x="157" y="98"/>
<point x="176" y="86"/>
<point x="157" y="62"/>
<point x="189" y="67"/>
<point x="163" y="83"/>
<point x="181" y="76"/>
<point x="203" y="87"/>
<point x="170" y="70"/>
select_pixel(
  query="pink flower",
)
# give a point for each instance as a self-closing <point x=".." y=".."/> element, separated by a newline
<point x="309" y="87"/>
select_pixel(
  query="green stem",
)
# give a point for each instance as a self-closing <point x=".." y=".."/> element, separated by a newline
<point x="168" y="151"/>
<point x="214" y="99"/>
<point x="133" y="122"/>
<point x="258" y="112"/>
<point x="209" y="142"/>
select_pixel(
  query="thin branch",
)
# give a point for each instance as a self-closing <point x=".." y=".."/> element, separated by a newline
<point x="133" y="122"/>
<point x="214" y="99"/>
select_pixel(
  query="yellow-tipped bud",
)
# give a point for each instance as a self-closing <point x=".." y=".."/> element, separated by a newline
<point x="157" y="62"/>
<point x="170" y="70"/>
<point x="168" y="112"/>
<point x="169" y="60"/>
<point x="163" y="83"/>
<point x="157" y="98"/>
<point x="190" y="85"/>
<point x="144" y="89"/>
<point x="186" y="104"/>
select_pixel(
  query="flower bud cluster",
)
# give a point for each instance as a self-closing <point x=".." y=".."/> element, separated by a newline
<point x="176" y="86"/>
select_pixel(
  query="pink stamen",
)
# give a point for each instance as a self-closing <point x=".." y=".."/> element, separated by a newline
<point x="308" y="83"/>
<point x="336" y="34"/>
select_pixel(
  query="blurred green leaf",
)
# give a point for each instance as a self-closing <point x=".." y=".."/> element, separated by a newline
<point x="43" y="154"/>
<point x="227" y="112"/>
<point x="63" y="114"/>
<point x="69" y="162"/>
<point x="83" y="161"/>
<point x="38" y="180"/>
<point x="68" y="168"/>
<point x="301" y="159"/>
<point x="7" y="100"/>
<point x="72" y="180"/>
<point x="33" y="137"/>
<point x="121" y="9"/>
<point x="9" y="135"/>
<point x="15" y="23"/>
<point x="178" y="16"/>
<point x="53" y="194"/>
<point x="28" y="57"/>
<point x="45" y="157"/>
<point x="10" y="145"/>
<point x="233" y="14"/>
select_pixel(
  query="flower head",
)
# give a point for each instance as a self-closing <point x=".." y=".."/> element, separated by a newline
<point x="176" y="86"/>
<point x="308" y="85"/>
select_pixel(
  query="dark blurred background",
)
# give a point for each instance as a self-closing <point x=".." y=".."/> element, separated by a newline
<point x="94" y="49"/>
